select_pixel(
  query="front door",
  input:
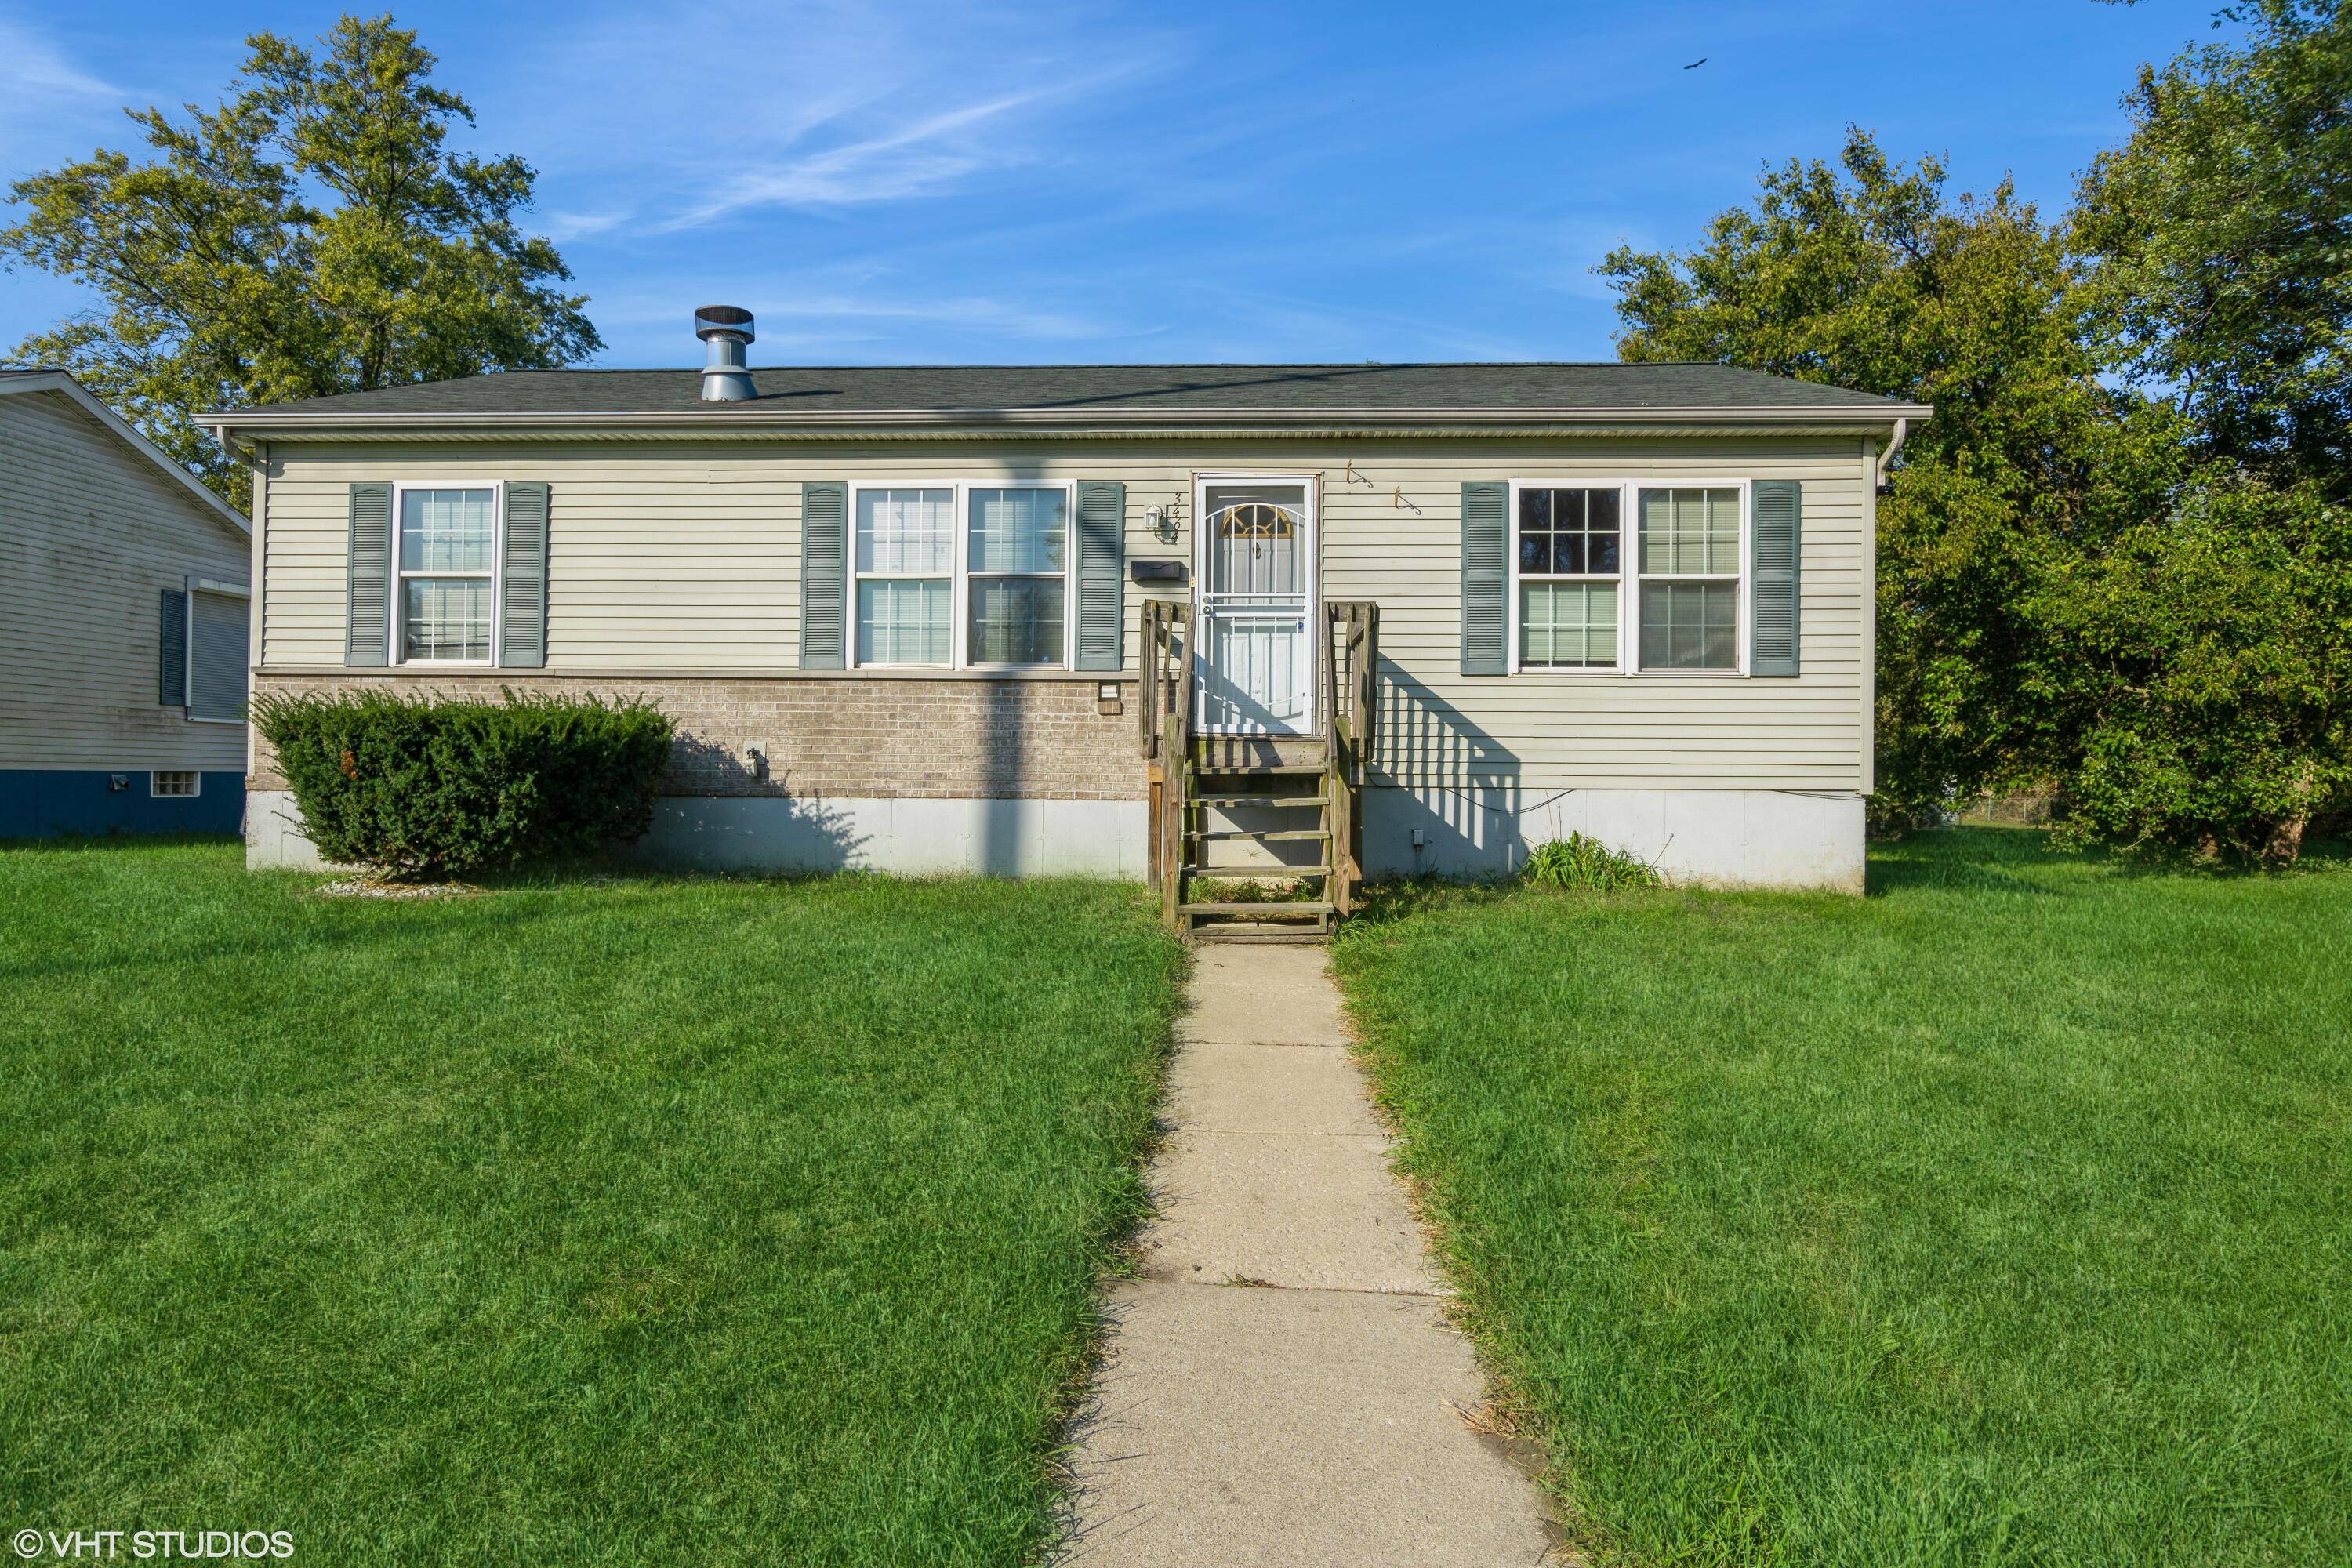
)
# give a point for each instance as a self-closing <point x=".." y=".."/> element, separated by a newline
<point x="1257" y="605"/>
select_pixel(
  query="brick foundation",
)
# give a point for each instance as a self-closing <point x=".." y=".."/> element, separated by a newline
<point x="839" y="737"/>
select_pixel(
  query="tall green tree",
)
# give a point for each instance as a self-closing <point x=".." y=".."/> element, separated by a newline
<point x="2117" y="557"/>
<point x="1867" y="274"/>
<point x="1863" y="273"/>
<point x="313" y="234"/>
<point x="2216" y="242"/>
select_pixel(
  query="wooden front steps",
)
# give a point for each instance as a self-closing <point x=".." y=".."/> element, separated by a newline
<point x="1226" y="810"/>
<point x="1236" y="814"/>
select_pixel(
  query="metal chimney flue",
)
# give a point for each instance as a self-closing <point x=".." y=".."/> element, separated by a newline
<point x="726" y="333"/>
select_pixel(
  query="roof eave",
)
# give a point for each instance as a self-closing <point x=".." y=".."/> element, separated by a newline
<point x="729" y="417"/>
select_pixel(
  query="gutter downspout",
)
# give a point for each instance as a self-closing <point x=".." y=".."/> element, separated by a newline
<point x="1902" y="428"/>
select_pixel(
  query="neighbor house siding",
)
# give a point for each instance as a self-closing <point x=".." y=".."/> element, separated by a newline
<point x="90" y="536"/>
<point x="677" y="558"/>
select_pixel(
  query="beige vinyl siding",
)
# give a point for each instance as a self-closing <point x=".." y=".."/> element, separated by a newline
<point x="679" y="557"/>
<point x="660" y="557"/>
<point x="1543" y="731"/>
<point x="91" y="535"/>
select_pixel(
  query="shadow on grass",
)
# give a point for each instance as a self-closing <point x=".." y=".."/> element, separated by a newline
<point x="2003" y="858"/>
<point x="85" y="843"/>
<point x="2020" y="860"/>
<point x="420" y="919"/>
<point x="1979" y="860"/>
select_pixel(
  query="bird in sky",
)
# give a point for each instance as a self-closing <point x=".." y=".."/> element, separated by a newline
<point x="1697" y="63"/>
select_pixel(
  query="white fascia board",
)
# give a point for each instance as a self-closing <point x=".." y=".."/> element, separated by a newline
<point x="739" y="419"/>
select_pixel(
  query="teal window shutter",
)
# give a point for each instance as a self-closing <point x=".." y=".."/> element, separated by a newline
<point x="1485" y="575"/>
<point x="523" y="578"/>
<point x="824" y="573"/>
<point x="1102" y="574"/>
<point x="1773" y="623"/>
<point x="172" y="651"/>
<point x="367" y="603"/>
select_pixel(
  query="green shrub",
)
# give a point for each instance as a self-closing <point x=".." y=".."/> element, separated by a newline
<point x="431" y="787"/>
<point x="1577" y="861"/>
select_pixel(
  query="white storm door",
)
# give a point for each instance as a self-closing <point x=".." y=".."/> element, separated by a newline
<point x="1255" y="608"/>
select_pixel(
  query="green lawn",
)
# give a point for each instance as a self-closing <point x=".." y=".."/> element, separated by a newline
<point x="2004" y="1216"/>
<point x="624" y="1222"/>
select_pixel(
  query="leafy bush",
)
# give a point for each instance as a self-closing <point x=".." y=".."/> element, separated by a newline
<point x="2202" y="667"/>
<point x="1577" y="861"/>
<point x="433" y="787"/>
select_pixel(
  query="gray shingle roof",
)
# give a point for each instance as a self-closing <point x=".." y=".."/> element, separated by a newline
<point x="1078" y="390"/>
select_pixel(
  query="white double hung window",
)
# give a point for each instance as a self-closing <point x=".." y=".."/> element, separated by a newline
<point x="963" y="576"/>
<point x="444" y="556"/>
<point x="1690" y="578"/>
<point x="905" y="584"/>
<point x="1570" y="558"/>
<point x="1015" y="577"/>
<point x="1625" y="578"/>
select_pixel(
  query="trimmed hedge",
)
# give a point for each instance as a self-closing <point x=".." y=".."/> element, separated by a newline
<point x="431" y="787"/>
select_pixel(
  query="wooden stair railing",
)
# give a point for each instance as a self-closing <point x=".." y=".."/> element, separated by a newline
<point x="1166" y="717"/>
<point x="1352" y="660"/>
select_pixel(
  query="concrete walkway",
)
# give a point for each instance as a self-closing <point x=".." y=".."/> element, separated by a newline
<point x="1281" y="1385"/>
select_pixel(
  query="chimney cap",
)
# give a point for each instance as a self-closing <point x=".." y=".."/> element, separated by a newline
<point x="712" y="320"/>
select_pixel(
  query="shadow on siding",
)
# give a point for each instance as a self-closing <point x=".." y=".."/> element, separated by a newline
<point x="1449" y="780"/>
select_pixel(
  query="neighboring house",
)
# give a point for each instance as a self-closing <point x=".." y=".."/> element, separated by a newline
<point x="123" y="644"/>
<point x="896" y="613"/>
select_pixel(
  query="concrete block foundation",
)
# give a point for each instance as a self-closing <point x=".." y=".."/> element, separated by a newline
<point x="1727" y="839"/>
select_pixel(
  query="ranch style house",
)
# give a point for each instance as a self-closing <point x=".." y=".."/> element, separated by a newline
<point x="1165" y="621"/>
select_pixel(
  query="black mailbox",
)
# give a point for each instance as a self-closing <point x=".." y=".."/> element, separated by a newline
<point x="1156" y="570"/>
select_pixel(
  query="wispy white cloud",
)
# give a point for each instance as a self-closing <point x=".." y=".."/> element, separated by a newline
<point x="705" y="114"/>
<point x="40" y="85"/>
<point x="573" y="226"/>
<point x="795" y="311"/>
<point x="35" y="69"/>
<point x="921" y="159"/>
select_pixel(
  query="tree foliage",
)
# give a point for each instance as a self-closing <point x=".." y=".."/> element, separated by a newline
<point x="2117" y="559"/>
<point x="313" y="234"/>
<point x="1865" y="275"/>
<point x="2217" y="241"/>
<point x="2197" y="669"/>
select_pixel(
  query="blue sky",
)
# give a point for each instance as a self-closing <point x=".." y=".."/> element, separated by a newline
<point x="1047" y="182"/>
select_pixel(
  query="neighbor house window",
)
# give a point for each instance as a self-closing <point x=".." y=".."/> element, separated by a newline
<point x="968" y="575"/>
<point x="1689" y="566"/>
<point x="1569" y="566"/>
<point x="443" y="553"/>
<point x="166" y="784"/>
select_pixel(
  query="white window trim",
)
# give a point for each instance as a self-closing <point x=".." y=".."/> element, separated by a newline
<point x="193" y="773"/>
<point x="1629" y="577"/>
<point x="398" y="618"/>
<point x="1622" y="576"/>
<point x="960" y="573"/>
